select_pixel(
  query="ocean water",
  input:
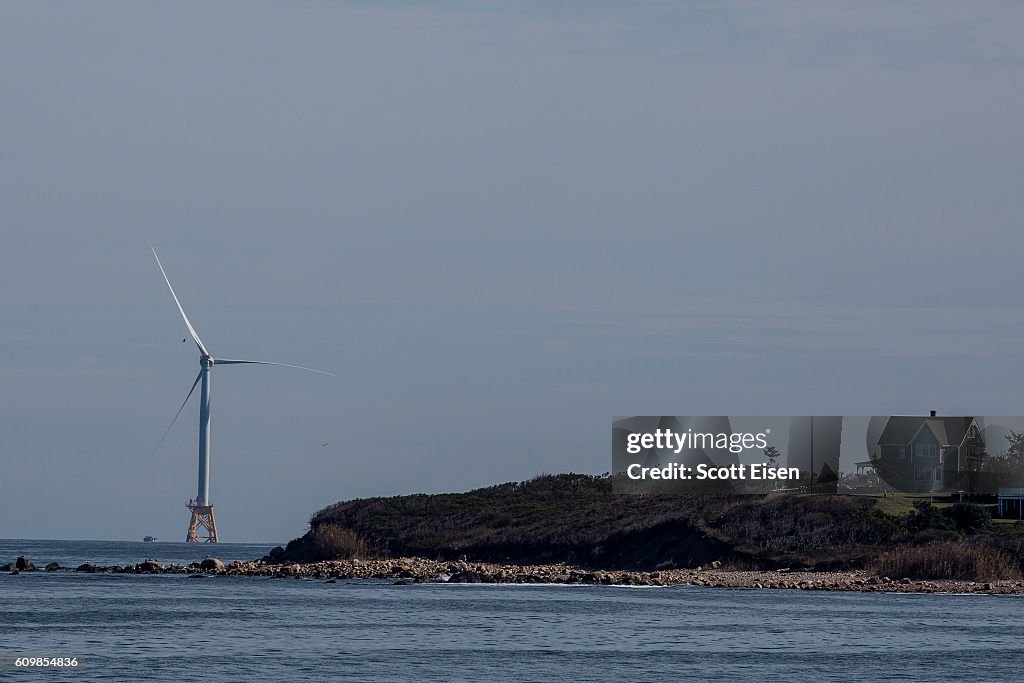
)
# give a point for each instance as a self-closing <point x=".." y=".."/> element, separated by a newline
<point x="110" y="553"/>
<point x="173" y="628"/>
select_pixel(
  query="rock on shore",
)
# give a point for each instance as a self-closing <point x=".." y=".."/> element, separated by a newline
<point x="211" y="564"/>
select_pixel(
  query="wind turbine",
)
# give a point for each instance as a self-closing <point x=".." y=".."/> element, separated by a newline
<point x="201" y="509"/>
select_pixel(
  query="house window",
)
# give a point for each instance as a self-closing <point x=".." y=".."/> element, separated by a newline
<point x="902" y="452"/>
<point x="926" y="450"/>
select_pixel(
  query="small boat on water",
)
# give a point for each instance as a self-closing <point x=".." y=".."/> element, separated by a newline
<point x="150" y="539"/>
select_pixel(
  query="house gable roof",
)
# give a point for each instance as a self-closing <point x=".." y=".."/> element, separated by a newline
<point x="901" y="429"/>
<point x="937" y="427"/>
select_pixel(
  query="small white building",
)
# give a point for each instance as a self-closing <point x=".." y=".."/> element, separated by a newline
<point x="1011" y="500"/>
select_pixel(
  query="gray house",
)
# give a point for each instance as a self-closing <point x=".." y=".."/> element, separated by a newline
<point x="920" y="454"/>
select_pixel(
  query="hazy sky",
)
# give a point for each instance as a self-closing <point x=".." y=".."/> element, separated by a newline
<point x="500" y="225"/>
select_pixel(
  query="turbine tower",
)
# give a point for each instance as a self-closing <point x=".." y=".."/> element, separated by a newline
<point x="201" y="508"/>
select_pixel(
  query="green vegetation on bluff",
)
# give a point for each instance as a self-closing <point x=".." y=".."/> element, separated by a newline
<point x="578" y="519"/>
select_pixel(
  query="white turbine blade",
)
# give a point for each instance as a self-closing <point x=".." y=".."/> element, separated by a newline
<point x="198" y="377"/>
<point x="191" y="330"/>
<point x="224" y="361"/>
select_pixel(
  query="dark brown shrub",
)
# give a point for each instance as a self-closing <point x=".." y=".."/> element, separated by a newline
<point x="948" y="560"/>
<point x="932" y="535"/>
<point x="331" y="542"/>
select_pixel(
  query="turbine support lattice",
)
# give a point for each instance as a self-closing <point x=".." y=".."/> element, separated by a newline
<point x="202" y="521"/>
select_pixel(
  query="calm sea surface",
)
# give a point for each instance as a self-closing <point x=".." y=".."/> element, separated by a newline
<point x="172" y="628"/>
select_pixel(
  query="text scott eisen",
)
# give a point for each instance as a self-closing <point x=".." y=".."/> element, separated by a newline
<point x="757" y="471"/>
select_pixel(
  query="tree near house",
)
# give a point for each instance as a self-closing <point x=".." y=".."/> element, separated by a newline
<point x="1005" y="469"/>
<point x="1014" y="465"/>
<point x="1016" y="448"/>
<point x="771" y="456"/>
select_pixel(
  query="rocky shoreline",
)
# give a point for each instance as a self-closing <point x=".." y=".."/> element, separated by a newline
<point x="409" y="570"/>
